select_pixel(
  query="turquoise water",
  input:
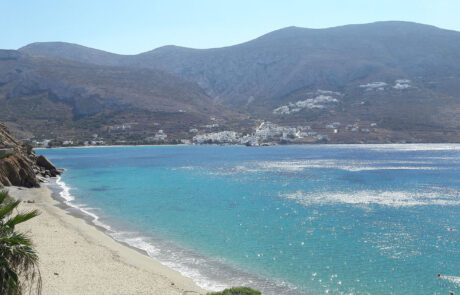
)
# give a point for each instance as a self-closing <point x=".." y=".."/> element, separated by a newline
<point x="364" y="219"/>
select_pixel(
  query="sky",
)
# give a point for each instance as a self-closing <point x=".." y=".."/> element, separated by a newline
<point x="134" y="26"/>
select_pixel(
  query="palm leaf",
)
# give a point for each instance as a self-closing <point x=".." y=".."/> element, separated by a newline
<point x="22" y="217"/>
<point x="18" y="258"/>
<point x="3" y="196"/>
<point x="7" y="208"/>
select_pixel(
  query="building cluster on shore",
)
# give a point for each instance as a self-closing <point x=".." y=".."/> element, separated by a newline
<point x="266" y="133"/>
<point x="270" y="133"/>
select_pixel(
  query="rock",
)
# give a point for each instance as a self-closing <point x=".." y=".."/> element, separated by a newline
<point x="49" y="168"/>
<point x="42" y="179"/>
<point x="17" y="170"/>
<point x="22" y="167"/>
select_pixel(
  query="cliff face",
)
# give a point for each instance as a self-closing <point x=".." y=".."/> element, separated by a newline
<point x="19" y="165"/>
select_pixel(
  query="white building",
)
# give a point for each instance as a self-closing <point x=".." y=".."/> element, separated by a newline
<point x="160" y="135"/>
<point x="217" y="137"/>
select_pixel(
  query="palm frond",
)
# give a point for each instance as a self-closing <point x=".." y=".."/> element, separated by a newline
<point x="7" y="209"/>
<point x="22" y="217"/>
<point x="18" y="259"/>
<point x="3" y="196"/>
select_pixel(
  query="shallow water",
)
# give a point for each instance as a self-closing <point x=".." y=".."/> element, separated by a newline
<point x="348" y="219"/>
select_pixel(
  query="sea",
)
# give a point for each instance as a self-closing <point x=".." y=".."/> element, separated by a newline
<point x="301" y="219"/>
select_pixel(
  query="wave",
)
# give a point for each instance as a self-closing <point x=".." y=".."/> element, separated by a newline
<point x="416" y="147"/>
<point x="451" y="279"/>
<point x="347" y="165"/>
<point x="65" y="190"/>
<point x="401" y="147"/>
<point x="384" y="198"/>
<point x="208" y="273"/>
<point x="68" y="199"/>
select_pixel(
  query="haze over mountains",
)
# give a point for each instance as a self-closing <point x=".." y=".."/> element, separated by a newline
<point x="402" y="77"/>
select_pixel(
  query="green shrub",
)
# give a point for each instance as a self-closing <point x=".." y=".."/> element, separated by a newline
<point x="237" y="291"/>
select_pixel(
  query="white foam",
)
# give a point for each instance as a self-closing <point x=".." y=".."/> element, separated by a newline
<point x="348" y="165"/>
<point x="200" y="269"/>
<point x="173" y="260"/>
<point x="452" y="279"/>
<point x="65" y="190"/>
<point x="137" y="242"/>
<point x="68" y="200"/>
<point x="385" y="198"/>
<point x="196" y="276"/>
<point x="406" y="147"/>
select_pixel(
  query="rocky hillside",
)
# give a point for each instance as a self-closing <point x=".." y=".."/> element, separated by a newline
<point x="402" y="77"/>
<point x="276" y="64"/>
<point x="49" y="96"/>
<point x="19" y="165"/>
<point x="291" y="59"/>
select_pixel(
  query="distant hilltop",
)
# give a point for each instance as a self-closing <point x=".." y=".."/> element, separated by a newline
<point x="383" y="82"/>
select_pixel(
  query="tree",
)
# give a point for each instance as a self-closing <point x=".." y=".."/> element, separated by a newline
<point x="18" y="258"/>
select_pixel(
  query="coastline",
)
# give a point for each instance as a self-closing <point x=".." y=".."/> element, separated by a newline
<point x="180" y="261"/>
<point x="386" y="144"/>
<point x="107" y="146"/>
<point x="127" y="235"/>
<point x="78" y="258"/>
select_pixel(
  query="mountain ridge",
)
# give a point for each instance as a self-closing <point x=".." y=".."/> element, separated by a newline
<point x="37" y="46"/>
<point x="287" y="66"/>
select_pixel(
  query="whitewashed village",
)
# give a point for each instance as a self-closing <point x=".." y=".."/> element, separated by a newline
<point x="264" y="132"/>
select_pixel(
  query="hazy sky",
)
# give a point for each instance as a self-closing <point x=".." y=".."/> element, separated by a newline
<point x="139" y="25"/>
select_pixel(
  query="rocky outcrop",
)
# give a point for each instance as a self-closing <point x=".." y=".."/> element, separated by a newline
<point x="47" y="166"/>
<point x="19" y="165"/>
<point x="18" y="170"/>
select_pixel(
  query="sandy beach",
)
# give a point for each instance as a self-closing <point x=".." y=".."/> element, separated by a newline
<point x="77" y="258"/>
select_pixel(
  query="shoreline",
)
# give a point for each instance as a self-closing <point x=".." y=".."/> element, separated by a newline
<point x="59" y="192"/>
<point x="241" y="145"/>
<point x="77" y="257"/>
<point x="107" y="146"/>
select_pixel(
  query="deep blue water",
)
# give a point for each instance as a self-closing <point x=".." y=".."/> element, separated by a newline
<point x="369" y="219"/>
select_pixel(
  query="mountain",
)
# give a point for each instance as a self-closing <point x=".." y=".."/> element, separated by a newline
<point x="293" y="58"/>
<point x="75" y="52"/>
<point x="50" y="97"/>
<point x="403" y="77"/>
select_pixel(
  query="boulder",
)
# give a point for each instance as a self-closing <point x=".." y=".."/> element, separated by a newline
<point x="47" y="166"/>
